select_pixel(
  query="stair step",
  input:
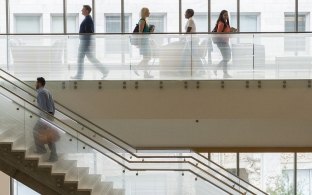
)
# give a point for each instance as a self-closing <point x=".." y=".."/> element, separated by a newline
<point x="63" y="166"/>
<point x="76" y="173"/>
<point x="10" y="136"/>
<point x="102" y="188"/>
<point x="118" y="192"/>
<point x="19" y="144"/>
<point x="88" y="182"/>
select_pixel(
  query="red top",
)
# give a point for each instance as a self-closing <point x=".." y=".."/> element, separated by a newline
<point x="224" y="38"/>
<point x="221" y="26"/>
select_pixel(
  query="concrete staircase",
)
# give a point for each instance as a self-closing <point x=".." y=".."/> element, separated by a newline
<point x="34" y="170"/>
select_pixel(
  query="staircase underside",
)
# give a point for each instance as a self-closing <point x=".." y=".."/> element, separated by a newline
<point x="39" y="178"/>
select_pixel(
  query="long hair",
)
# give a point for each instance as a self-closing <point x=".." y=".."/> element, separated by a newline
<point x="221" y="19"/>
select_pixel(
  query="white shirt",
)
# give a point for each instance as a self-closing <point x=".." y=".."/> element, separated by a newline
<point x="190" y="23"/>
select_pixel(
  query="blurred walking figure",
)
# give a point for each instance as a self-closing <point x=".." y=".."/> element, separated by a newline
<point x="223" y="26"/>
<point x="87" y="45"/>
<point x="144" y="45"/>
<point x="43" y="132"/>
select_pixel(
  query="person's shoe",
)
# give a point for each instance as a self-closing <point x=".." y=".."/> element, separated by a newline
<point x="53" y="158"/>
<point x="76" y="77"/>
<point x="226" y="75"/>
<point x="135" y="70"/>
<point x="105" y="73"/>
<point x="148" y="76"/>
<point x="40" y="151"/>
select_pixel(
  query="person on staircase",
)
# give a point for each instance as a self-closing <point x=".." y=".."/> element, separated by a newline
<point x="46" y="103"/>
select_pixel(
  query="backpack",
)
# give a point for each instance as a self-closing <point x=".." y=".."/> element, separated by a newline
<point x="135" y="40"/>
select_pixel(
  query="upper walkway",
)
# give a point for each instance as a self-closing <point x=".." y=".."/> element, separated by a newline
<point x="260" y="56"/>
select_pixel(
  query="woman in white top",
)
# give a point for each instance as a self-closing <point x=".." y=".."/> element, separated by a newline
<point x="190" y="26"/>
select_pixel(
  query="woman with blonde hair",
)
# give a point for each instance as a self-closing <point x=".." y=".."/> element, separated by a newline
<point x="144" y="45"/>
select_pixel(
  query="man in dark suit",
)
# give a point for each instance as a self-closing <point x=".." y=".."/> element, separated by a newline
<point x="87" y="45"/>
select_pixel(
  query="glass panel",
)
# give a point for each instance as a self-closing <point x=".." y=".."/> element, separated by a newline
<point x="108" y="18"/>
<point x="270" y="15"/>
<point x="217" y="6"/>
<point x="304" y="173"/>
<point x="226" y="160"/>
<point x="3" y="51"/>
<point x="2" y="16"/>
<point x="21" y="189"/>
<point x="304" y="8"/>
<point x="169" y="22"/>
<point x="34" y="17"/>
<point x="271" y="172"/>
<point x="200" y="16"/>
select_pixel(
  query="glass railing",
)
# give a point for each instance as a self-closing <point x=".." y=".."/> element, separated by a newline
<point x="114" y="144"/>
<point x="88" y="161"/>
<point x="246" y="56"/>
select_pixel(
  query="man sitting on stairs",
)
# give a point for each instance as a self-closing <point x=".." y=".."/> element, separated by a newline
<point x="46" y="103"/>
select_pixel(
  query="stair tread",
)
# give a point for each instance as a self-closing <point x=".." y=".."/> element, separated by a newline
<point x="76" y="174"/>
<point x="89" y="181"/>
<point x="10" y="136"/>
<point x="102" y="188"/>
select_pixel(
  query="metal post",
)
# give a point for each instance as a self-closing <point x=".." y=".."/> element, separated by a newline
<point x="209" y="15"/>
<point x="297" y="15"/>
<point x="11" y="186"/>
<point x="180" y="16"/>
<point x="65" y="16"/>
<point x="295" y="173"/>
<point x="238" y="15"/>
<point x="237" y="165"/>
<point x="122" y="15"/>
<point x="7" y="21"/>
<point x="93" y="14"/>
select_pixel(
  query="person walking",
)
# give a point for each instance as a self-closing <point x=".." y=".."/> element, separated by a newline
<point x="144" y="46"/>
<point x="46" y="103"/>
<point x="223" y="26"/>
<point x="87" y="45"/>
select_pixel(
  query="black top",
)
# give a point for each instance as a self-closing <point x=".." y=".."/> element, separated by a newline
<point x="87" y="25"/>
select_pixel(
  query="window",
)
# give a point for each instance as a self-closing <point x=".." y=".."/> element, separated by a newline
<point x="290" y="23"/>
<point x="114" y="45"/>
<point x="305" y="6"/>
<point x="169" y="17"/>
<point x="295" y="43"/>
<point x="27" y="23"/>
<point x="159" y="20"/>
<point x="113" y="23"/>
<point x="249" y="22"/>
<point x="2" y="17"/>
<point x="32" y="16"/>
<point x="201" y="20"/>
<point x="271" y="12"/>
<point x="57" y="23"/>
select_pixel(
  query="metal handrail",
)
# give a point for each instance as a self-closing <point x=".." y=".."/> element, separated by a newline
<point x="161" y="33"/>
<point x="137" y="156"/>
<point x="184" y="157"/>
<point x="124" y="166"/>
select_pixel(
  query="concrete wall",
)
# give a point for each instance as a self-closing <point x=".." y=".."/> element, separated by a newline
<point x="233" y="116"/>
<point x="4" y="184"/>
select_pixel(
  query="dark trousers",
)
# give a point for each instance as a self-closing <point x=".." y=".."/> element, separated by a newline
<point x="87" y="48"/>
